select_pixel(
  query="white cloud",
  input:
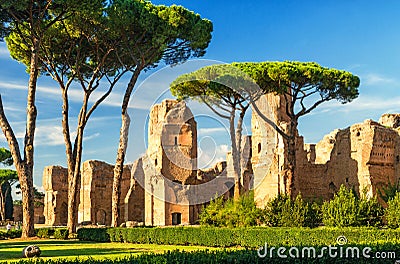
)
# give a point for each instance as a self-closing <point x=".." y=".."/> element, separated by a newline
<point x="376" y="79"/>
<point x="4" y="53"/>
<point x="211" y="131"/>
<point x="208" y="157"/>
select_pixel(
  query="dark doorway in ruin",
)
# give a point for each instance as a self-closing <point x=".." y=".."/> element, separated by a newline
<point x="176" y="218"/>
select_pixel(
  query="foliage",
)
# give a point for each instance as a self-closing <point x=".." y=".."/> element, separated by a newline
<point x="13" y="233"/>
<point x="61" y="233"/>
<point x="346" y="209"/>
<point x="392" y="212"/>
<point x="241" y="213"/>
<point x="7" y="179"/>
<point x="45" y="232"/>
<point x="57" y="233"/>
<point x="93" y="234"/>
<point x="388" y="192"/>
<point x="286" y="212"/>
<point x="249" y="237"/>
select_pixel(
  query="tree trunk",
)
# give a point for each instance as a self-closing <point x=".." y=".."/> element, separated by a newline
<point x="235" y="157"/>
<point x="291" y="157"/>
<point x="118" y="169"/>
<point x="239" y="128"/>
<point x="123" y="143"/>
<point x="74" y="169"/>
<point x="28" y="229"/>
<point x="3" y="204"/>
<point x="24" y="166"/>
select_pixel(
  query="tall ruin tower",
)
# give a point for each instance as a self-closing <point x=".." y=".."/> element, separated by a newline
<point x="269" y="149"/>
<point x="170" y="163"/>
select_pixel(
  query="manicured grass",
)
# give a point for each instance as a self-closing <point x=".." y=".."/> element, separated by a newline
<point x="11" y="250"/>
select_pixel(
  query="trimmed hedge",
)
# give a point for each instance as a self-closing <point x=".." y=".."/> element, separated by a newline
<point x="44" y="232"/>
<point x="253" y="237"/>
<point x="47" y="232"/>
<point x="239" y="256"/>
<point x="10" y="234"/>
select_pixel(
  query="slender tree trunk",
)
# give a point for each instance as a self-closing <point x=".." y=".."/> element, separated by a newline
<point x="3" y="204"/>
<point x="291" y="157"/>
<point x="239" y="129"/>
<point x="235" y="157"/>
<point x="74" y="172"/>
<point x="24" y="166"/>
<point x="123" y="143"/>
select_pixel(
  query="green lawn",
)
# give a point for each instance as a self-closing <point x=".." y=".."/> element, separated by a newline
<point x="11" y="250"/>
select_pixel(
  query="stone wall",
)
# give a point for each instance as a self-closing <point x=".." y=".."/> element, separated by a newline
<point x="55" y="183"/>
<point x="96" y="192"/>
<point x="363" y="156"/>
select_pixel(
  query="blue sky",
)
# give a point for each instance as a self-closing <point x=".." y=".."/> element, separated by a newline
<point x="359" y="36"/>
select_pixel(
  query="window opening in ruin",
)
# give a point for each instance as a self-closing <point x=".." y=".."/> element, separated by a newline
<point x="332" y="186"/>
<point x="358" y="134"/>
<point x="177" y="181"/>
<point x="155" y="162"/>
<point x="347" y="180"/>
<point x="176" y="141"/>
<point x="176" y="218"/>
<point x="397" y="159"/>
<point x="259" y="148"/>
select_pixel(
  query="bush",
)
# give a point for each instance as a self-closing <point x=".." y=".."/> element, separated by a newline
<point x="241" y="213"/>
<point x="392" y="212"/>
<point x="247" y="237"/>
<point x="285" y="212"/>
<point x="61" y="233"/>
<point x="93" y="234"/>
<point x="370" y="212"/>
<point x="10" y="234"/>
<point x="44" y="232"/>
<point x="346" y="209"/>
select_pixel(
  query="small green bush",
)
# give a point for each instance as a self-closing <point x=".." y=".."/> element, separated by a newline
<point x="61" y="233"/>
<point x="93" y="234"/>
<point x="392" y="212"/>
<point x="285" y="212"/>
<point x="346" y="209"/>
<point x="241" y="213"/>
<point x="10" y="234"/>
<point x="44" y="232"/>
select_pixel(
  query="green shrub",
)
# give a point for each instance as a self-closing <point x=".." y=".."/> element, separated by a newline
<point x="285" y="212"/>
<point x="247" y="237"/>
<point x="44" y="232"/>
<point x="10" y="234"/>
<point x="346" y="209"/>
<point x="241" y="213"/>
<point x="392" y="212"/>
<point x="370" y="212"/>
<point x="93" y="234"/>
<point x="61" y="233"/>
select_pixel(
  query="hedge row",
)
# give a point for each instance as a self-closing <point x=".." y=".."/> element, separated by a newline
<point x="253" y="237"/>
<point x="10" y="234"/>
<point x="239" y="256"/>
<point x="57" y="233"/>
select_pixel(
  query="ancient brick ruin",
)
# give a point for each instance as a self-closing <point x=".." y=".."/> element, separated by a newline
<point x="164" y="187"/>
<point x="363" y="156"/>
<point x="157" y="189"/>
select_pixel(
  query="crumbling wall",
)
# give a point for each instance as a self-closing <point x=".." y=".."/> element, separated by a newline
<point x="55" y="183"/>
<point x="96" y="192"/>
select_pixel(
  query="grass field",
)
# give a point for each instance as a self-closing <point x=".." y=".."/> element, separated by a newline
<point x="11" y="250"/>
